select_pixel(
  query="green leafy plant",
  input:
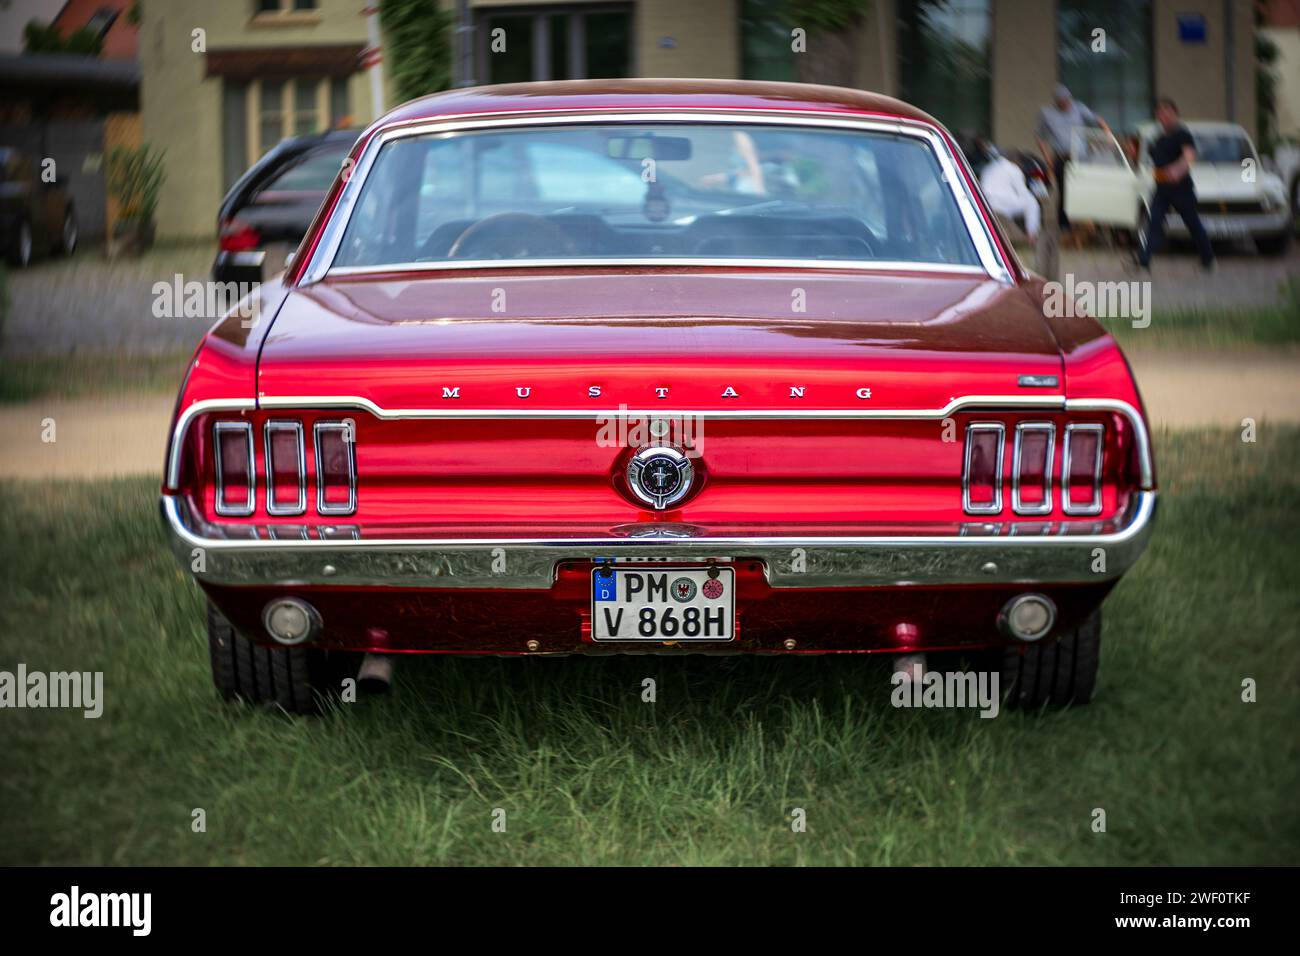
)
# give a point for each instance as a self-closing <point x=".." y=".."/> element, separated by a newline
<point x="43" y="38"/>
<point x="135" y="177"/>
<point x="417" y="46"/>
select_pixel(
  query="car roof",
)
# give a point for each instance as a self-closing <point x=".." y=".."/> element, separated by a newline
<point x="649" y="94"/>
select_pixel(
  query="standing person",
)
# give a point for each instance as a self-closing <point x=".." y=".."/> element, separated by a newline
<point x="1056" y="124"/>
<point x="1172" y="154"/>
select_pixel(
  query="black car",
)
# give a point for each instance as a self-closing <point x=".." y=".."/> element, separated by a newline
<point x="267" y="212"/>
<point x="36" y="217"/>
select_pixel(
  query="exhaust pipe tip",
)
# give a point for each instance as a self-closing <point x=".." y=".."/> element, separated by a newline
<point x="911" y="666"/>
<point x="375" y="675"/>
<point x="1027" y="617"/>
<point x="290" y="621"/>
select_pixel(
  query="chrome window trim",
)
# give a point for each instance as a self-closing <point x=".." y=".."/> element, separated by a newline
<point x="322" y="259"/>
<point x="995" y="506"/>
<point x="1094" y="506"/>
<point x="272" y="506"/>
<point x="829" y="265"/>
<point x="1146" y="476"/>
<point x="322" y="506"/>
<point x="219" y="487"/>
<point x="1045" y="507"/>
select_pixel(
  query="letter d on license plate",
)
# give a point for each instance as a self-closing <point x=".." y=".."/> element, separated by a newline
<point x="662" y="604"/>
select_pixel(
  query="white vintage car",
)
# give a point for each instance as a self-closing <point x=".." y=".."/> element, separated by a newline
<point x="1237" y="197"/>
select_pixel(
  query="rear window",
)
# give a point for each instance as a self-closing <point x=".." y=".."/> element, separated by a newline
<point x="313" y="172"/>
<point x="663" y="190"/>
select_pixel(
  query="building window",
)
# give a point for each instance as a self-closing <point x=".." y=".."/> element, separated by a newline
<point x="766" y="51"/>
<point x="257" y="114"/>
<point x="1115" y="82"/>
<point x="945" y="61"/>
<point x="283" y="6"/>
<point x="554" y="43"/>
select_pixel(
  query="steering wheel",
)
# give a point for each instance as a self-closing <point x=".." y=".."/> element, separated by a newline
<point x="511" y="235"/>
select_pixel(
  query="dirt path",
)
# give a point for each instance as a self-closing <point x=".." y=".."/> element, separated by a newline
<point x="124" y="435"/>
<point x="1192" y="389"/>
<point x="93" y="438"/>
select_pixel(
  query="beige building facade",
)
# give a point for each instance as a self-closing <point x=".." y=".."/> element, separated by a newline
<point x="264" y="69"/>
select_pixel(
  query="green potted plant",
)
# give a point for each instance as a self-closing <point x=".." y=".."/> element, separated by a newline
<point x="135" y="176"/>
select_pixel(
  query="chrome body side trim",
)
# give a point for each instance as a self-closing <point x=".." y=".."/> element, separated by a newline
<point x="1062" y="557"/>
<point x="308" y="402"/>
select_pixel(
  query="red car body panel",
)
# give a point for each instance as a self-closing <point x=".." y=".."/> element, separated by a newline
<point x="830" y="425"/>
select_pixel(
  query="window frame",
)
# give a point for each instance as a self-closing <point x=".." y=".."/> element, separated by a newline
<point x="979" y="230"/>
<point x="540" y="17"/>
<point x="254" y="147"/>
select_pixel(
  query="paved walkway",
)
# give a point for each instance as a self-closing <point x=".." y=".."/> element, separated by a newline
<point x="1178" y="283"/>
<point x="98" y="438"/>
<point x="89" y="304"/>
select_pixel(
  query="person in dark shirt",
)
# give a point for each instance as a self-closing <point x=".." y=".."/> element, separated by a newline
<point x="1172" y="154"/>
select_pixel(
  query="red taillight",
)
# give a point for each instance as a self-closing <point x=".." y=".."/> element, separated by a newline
<point x="286" y="468"/>
<point x="236" y="484"/>
<point x="1081" y="470"/>
<point x="237" y="236"/>
<point x="336" y="468"/>
<point x="1031" y="468"/>
<point x="982" y="475"/>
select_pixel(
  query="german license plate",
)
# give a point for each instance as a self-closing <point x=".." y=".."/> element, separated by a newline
<point x="663" y="604"/>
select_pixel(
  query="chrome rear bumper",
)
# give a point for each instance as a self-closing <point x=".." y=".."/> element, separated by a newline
<point x="1073" y="552"/>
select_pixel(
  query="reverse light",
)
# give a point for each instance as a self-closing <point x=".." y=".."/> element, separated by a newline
<point x="981" y="482"/>
<point x="290" y="620"/>
<point x="1081" y="470"/>
<point x="1027" y="617"/>
<point x="236" y="489"/>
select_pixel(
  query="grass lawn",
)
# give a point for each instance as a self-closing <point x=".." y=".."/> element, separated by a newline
<point x="23" y="378"/>
<point x="587" y="773"/>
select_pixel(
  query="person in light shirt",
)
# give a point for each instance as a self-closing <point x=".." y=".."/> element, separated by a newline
<point x="1004" y="187"/>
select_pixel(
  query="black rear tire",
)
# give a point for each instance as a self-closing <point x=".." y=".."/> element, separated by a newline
<point x="295" y="679"/>
<point x="1056" y="671"/>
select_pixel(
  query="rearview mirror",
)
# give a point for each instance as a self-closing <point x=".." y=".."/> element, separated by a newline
<point x="649" y="147"/>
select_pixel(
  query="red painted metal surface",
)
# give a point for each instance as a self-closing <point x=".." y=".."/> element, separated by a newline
<point x="600" y="338"/>
<point x="819" y="620"/>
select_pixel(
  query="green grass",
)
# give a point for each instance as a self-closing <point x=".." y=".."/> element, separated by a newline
<point x="83" y="375"/>
<point x="588" y="773"/>
<point x="1213" y="329"/>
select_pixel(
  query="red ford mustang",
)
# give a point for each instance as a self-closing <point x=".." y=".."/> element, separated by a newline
<point x="669" y="366"/>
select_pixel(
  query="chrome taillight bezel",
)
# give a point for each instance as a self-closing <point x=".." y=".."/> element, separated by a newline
<point x="1045" y="506"/>
<point x="995" y="506"/>
<point x="347" y="428"/>
<point x="273" y="506"/>
<point x="1094" y="505"/>
<point x="228" y="511"/>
